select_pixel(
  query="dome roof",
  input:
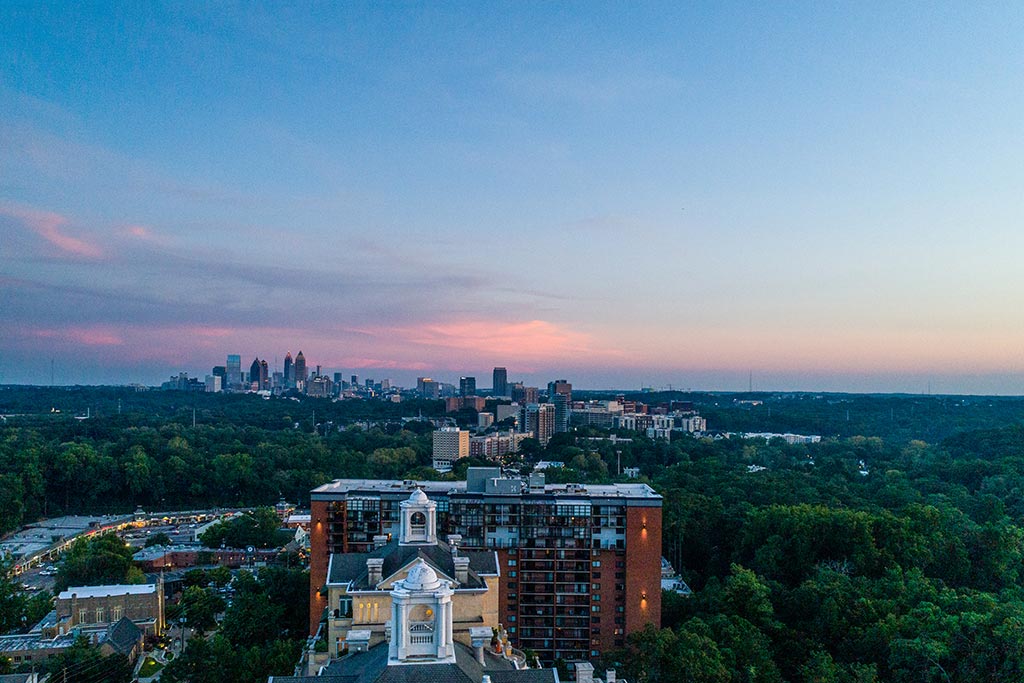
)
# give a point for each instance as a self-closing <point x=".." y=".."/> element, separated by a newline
<point x="418" y="496"/>
<point x="421" y="577"/>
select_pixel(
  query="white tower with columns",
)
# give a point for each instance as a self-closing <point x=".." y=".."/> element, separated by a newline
<point x="421" y="618"/>
<point x="419" y="520"/>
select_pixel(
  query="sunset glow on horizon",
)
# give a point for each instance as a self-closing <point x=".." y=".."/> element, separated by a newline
<point x="822" y="198"/>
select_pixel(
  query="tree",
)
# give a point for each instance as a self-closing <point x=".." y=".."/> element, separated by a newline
<point x="83" y="663"/>
<point x="158" y="539"/>
<point x="201" y="607"/>
<point x="259" y="528"/>
<point x="99" y="560"/>
<point x="12" y="603"/>
<point x="220" y="576"/>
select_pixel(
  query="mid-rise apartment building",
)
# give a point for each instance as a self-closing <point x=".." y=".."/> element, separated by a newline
<point x="450" y="444"/>
<point x="579" y="566"/>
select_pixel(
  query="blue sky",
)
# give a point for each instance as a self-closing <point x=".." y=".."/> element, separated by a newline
<point x="826" y="194"/>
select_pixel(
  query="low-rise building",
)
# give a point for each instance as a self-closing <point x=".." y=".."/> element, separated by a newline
<point x="97" y="607"/>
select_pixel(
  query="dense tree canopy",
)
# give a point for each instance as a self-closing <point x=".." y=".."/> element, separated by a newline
<point x="890" y="551"/>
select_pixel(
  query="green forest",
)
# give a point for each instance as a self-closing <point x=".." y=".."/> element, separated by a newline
<point x="890" y="551"/>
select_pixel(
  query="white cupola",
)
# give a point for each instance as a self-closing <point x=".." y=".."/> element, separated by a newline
<point x="419" y="520"/>
<point x="421" y="618"/>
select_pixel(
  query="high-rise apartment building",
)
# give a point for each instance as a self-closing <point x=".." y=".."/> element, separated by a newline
<point x="561" y="403"/>
<point x="538" y="418"/>
<point x="450" y="444"/>
<point x="264" y="375"/>
<point x="467" y="386"/>
<point x="499" y="383"/>
<point x="234" y="372"/>
<point x="580" y="566"/>
<point x="301" y="374"/>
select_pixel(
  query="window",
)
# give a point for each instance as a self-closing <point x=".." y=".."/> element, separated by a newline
<point x="345" y="607"/>
<point x="118" y="613"/>
<point x="511" y="618"/>
<point x="596" y="597"/>
<point x="595" y="608"/>
<point x="99" y="615"/>
<point x="595" y="563"/>
<point x="595" y="586"/>
<point x="595" y="575"/>
<point x="512" y="575"/>
<point x="83" y="616"/>
<point x="511" y="563"/>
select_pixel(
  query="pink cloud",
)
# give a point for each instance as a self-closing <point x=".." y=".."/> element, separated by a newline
<point x="88" y="336"/>
<point x="537" y="339"/>
<point x="376" y="363"/>
<point x="48" y="225"/>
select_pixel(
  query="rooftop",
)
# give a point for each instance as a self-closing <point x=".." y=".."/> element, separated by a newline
<point x="350" y="568"/>
<point x="107" y="591"/>
<point x="35" y="641"/>
<point x="435" y="488"/>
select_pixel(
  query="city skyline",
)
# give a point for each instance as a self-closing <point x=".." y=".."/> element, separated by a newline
<point x="826" y="197"/>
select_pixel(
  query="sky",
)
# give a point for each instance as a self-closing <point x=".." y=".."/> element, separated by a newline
<point x="815" y="196"/>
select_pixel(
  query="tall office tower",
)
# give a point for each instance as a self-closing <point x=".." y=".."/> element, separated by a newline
<point x="264" y="375"/>
<point x="428" y="388"/>
<point x="355" y="380"/>
<point x="560" y="386"/>
<point x="467" y="386"/>
<point x="254" y="373"/>
<point x="337" y="379"/>
<point x="289" y="380"/>
<point x="301" y="375"/>
<point x="580" y="566"/>
<point x="499" y="385"/>
<point x="522" y="395"/>
<point x="234" y="367"/>
<point x="561" y="403"/>
<point x="538" y="418"/>
<point x="222" y="372"/>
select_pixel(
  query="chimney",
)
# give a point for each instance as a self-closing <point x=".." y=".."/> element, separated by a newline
<point x="480" y="637"/>
<point x="454" y="540"/>
<point x="485" y="679"/>
<point x="584" y="672"/>
<point x="609" y="676"/>
<point x="461" y="569"/>
<point x="380" y="541"/>
<point x="374" y="569"/>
